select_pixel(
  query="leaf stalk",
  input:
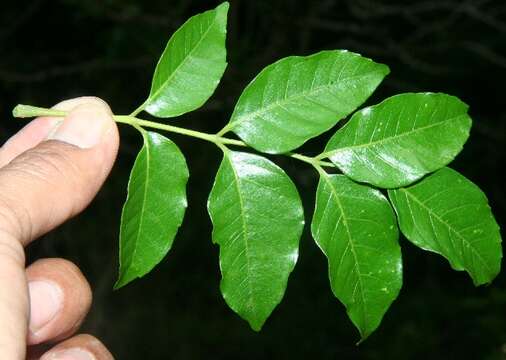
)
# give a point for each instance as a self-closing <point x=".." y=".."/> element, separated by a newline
<point x="27" y="111"/>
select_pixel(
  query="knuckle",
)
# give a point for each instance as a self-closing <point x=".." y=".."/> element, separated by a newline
<point x="50" y="165"/>
<point x="49" y="162"/>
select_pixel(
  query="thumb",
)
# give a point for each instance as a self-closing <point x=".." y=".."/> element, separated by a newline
<point x="58" y="177"/>
<point x="53" y="170"/>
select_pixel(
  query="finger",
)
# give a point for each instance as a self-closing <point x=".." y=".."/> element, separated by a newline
<point x="41" y="188"/>
<point x="60" y="298"/>
<point x="13" y="298"/>
<point x="80" y="347"/>
<point x="45" y="185"/>
<point x="28" y="137"/>
<point x="38" y="130"/>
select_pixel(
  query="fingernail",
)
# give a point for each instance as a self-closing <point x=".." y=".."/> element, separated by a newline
<point x="71" y="354"/>
<point x="46" y="301"/>
<point x="84" y="126"/>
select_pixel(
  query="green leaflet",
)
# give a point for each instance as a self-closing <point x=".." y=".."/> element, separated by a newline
<point x="355" y="228"/>
<point x="154" y="208"/>
<point x="258" y="219"/>
<point x="191" y="65"/>
<point x="449" y="215"/>
<point x="403" y="138"/>
<point x="297" y="98"/>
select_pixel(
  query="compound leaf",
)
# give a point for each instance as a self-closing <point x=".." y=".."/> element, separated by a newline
<point x="354" y="225"/>
<point x="154" y="208"/>
<point x="398" y="141"/>
<point x="447" y="214"/>
<point x="258" y="219"/>
<point x="297" y="98"/>
<point x="191" y="65"/>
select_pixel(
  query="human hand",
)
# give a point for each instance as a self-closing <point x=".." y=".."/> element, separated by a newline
<point x="49" y="172"/>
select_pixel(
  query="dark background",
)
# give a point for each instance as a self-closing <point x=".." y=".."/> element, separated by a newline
<point x="56" y="49"/>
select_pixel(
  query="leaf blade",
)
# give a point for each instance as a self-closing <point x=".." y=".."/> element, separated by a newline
<point x="355" y="228"/>
<point x="302" y="97"/>
<point x="157" y="187"/>
<point x="258" y="239"/>
<point x="400" y="140"/>
<point x="447" y="214"/>
<point x="191" y="65"/>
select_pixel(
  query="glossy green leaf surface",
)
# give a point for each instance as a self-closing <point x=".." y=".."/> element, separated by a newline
<point x="447" y="214"/>
<point x="257" y="220"/>
<point x="191" y="65"/>
<point x="297" y="98"/>
<point x="354" y="226"/>
<point x="154" y="208"/>
<point x="403" y="138"/>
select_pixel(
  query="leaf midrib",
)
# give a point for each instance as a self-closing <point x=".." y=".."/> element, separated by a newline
<point x="164" y="84"/>
<point x="243" y="222"/>
<point x="352" y="247"/>
<point x="143" y="206"/>
<point x="282" y="102"/>
<point x="442" y="221"/>
<point x="331" y="153"/>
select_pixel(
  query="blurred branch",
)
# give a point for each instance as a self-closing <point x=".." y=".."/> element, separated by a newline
<point x="169" y="19"/>
<point x="485" y="18"/>
<point x="430" y="21"/>
<point x="408" y="57"/>
<point x="491" y="132"/>
<point x="486" y="53"/>
<point x="148" y="19"/>
<point x="66" y="70"/>
<point x="367" y="9"/>
<point x="315" y="12"/>
<point x="337" y="27"/>
<point x="435" y="27"/>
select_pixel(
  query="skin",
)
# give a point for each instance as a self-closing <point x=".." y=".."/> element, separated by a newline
<point x="41" y="167"/>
